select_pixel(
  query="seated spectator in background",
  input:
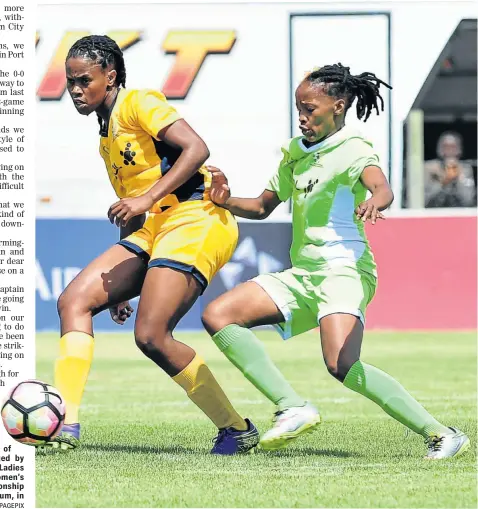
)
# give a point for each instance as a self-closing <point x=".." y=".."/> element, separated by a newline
<point x="449" y="182"/>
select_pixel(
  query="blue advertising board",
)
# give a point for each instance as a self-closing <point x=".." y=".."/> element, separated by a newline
<point x="65" y="246"/>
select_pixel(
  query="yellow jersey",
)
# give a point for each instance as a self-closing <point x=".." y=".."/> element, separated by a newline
<point x="136" y="158"/>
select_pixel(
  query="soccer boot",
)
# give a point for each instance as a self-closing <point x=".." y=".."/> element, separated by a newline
<point x="290" y="424"/>
<point x="69" y="438"/>
<point x="447" y="445"/>
<point x="232" y="441"/>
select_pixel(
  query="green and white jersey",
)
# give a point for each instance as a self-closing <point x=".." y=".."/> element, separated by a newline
<point x="324" y="183"/>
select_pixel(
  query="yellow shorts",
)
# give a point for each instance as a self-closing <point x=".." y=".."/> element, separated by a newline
<point x="197" y="237"/>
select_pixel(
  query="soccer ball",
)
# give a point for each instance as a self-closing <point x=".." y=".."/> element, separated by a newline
<point x="33" y="412"/>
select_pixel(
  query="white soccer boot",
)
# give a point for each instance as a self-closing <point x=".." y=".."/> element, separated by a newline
<point x="290" y="424"/>
<point x="447" y="445"/>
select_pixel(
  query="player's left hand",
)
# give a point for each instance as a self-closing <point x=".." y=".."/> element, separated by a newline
<point x="122" y="211"/>
<point x="367" y="210"/>
<point x="121" y="312"/>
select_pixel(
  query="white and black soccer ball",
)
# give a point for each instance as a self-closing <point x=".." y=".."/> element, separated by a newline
<point x="33" y="412"/>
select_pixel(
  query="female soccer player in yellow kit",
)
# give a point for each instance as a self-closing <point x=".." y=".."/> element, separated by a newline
<point x="154" y="161"/>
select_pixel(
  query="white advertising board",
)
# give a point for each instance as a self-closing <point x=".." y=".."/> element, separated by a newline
<point x="239" y="64"/>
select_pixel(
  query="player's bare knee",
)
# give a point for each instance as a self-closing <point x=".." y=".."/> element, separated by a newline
<point x="146" y="344"/>
<point x="149" y="341"/>
<point x="157" y="347"/>
<point x="333" y="369"/>
<point x="339" y="368"/>
<point x="215" y="317"/>
<point x="69" y="303"/>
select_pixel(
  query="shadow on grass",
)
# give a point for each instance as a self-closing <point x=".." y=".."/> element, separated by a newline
<point x="127" y="449"/>
<point x="141" y="449"/>
<point x="149" y="449"/>
<point x="309" y="451"/>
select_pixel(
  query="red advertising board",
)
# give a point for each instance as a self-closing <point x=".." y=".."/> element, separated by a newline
<point x="427" y="273"/>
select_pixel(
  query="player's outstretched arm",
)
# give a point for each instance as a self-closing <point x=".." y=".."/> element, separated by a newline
<point x="382" y="196"/>
<point x="253" y="208"/>
<point x="250" y="208"/>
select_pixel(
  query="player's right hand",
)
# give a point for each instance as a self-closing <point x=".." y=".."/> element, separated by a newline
<point x="219" y="192"/>
<point x="121" y="312"/>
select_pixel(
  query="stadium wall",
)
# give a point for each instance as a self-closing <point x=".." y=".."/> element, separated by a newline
<point x="427" y="269"/>
<point x="231" y="71"/>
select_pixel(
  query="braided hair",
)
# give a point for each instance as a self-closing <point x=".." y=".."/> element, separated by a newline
<point x="104" y="51"/>
<point x="340" y="83"/>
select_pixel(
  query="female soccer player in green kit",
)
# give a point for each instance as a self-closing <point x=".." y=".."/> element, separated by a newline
<point x="327" y="172"/>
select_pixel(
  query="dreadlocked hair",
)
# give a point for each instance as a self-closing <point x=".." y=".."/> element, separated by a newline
<point x="104" y="51"/>
<point x="340" y="83"/>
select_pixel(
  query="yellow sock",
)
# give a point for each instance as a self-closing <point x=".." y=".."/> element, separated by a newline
<point x="71" y="370"/>
<point x="204" y="391"/>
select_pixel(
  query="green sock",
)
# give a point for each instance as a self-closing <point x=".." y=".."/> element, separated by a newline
<point x="248" y="354"/>
<point x="389" y="395"/>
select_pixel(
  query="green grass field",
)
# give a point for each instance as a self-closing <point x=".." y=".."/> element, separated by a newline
<point x="146" y="445"/>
